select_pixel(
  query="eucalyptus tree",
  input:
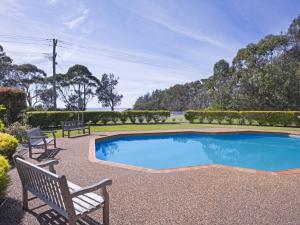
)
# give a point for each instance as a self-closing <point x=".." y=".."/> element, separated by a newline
<point x="107" y="93"/>
<point x="77" y="87"/>
<point x="5" y="64"/>
<point x="29" y="78"/>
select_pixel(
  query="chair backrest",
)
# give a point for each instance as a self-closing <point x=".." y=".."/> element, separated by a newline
<point x="34" y="132"/>
<point x="47" y="186"/>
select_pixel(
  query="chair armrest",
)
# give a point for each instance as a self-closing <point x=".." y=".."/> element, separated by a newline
<point x="52" y="132"/>
<point x="50" y="165"/>
<point x="88" y="189"/>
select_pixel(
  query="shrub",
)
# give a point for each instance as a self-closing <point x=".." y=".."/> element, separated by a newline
<point x="14" y="100"/>
<point x="272" y="118"/>
<point x="4" y="179"/>
<point x="8" y="145"/>
<point x="18" y="131"/>
<point x="123" y="118"/>
<point x="46" y="119"/>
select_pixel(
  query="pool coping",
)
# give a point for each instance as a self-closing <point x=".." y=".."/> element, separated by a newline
<point x="110" y="135"/>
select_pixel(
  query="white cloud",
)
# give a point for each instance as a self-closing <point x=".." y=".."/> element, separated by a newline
<point x="52" y="1"/>
<point x="73" y="23"/>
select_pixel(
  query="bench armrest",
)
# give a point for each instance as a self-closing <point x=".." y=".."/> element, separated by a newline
<point x="88" y="189"/>
<point x="37" y="137"/>
<point x="50" y="165"/>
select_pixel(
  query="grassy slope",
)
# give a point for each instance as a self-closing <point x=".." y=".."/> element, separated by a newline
<point x="169" y="126"/>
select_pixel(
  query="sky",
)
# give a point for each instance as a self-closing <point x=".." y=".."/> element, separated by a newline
<point x="148" y="44"/>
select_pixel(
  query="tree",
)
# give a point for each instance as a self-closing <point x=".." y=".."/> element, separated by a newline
<point x="107" y="93"/>
<point x="29" y="78"/>
<point x="77" y="87"/>
<point x="5" y="64"/>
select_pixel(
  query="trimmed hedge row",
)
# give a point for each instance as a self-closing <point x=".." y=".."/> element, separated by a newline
<point x="270" y="118"/>
<point x="45" y="119"/>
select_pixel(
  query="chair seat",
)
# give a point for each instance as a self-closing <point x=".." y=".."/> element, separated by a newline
<point x="41" y="142"/>
<point x="87" y="202"/>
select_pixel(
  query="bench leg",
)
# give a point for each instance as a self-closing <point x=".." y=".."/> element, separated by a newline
<point x="54" y="142"/>
<point x="25" y="198"/>
<point x="68" y="134"/>
<point x="106" y="209"/>
<point x="63" y="133"/>
<point x="46" y="150"/>
<point x="89" y="130"/>
<point x="30" y="150"/>
<point x="83" y="130"/>
<point x="72" y="221"/>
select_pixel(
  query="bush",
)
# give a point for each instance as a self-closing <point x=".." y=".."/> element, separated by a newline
<point x="18" y="131"/>
<point x="14" y="100"/>
<point x="4" y="179"/>
<point x="271" y="118"/>
<point x="46" y="119"/>
<point x="8" y="145"/>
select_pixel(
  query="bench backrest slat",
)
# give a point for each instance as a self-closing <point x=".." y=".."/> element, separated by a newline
<point x="43" y="184"/>
<point x="71" y="124"/>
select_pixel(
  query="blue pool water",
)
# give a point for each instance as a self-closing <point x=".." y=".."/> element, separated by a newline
<point x="258" y="151"/>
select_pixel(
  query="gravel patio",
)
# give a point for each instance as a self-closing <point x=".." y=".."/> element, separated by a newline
<point x="199" y="196"/>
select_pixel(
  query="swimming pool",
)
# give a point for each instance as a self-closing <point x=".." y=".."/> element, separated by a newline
<point x="262" y="151"/>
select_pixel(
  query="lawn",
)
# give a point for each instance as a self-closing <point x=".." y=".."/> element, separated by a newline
<point x="170" y="126"/>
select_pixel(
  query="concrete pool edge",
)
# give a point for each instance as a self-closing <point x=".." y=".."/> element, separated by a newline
<point x="110" y="135"/>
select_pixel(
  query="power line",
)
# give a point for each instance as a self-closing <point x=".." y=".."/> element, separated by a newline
<point x="122" y="56"/>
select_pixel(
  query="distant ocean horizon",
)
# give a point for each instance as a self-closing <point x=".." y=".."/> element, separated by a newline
<point x="107" y="109"/>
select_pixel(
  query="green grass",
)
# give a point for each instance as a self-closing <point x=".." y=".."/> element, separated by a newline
<point x="170" y="126"/>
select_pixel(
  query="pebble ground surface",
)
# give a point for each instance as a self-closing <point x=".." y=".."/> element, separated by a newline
<point x="199" y="196"/>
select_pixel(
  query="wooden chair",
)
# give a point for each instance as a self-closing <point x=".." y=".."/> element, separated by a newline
<point x="68" y="199"/>
<point x="37" y="138"/>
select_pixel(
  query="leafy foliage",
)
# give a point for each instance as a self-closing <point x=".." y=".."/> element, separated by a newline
<point x="77" y="87"/>
<point x="107" y="93"/>
<point x="270" y="118"/>
<point x="45" y="119"/>
<point x="262" y="76"/>
<point x="8" y="145"/>
<point x="17" y="130"/>
<point x="14" y="101"/>
<point x="4" y="178"/>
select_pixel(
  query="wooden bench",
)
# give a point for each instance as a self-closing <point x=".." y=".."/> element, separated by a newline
<point x="37" y="138"/>
<point x="68" y="199"/>
<point x="74" y="125"/>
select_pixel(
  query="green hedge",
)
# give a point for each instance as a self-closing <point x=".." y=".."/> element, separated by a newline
<point x="267" y="118"/>
<point x="46" y="119"/>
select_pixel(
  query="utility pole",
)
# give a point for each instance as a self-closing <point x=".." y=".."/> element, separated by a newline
<point x="54" y="42"/>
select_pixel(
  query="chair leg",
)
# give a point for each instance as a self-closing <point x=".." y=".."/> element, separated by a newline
<point x="25" y="198"/>
<point x="54" y="142"/>
<point x="68" y="134"/>
<point x="63" y="133"/>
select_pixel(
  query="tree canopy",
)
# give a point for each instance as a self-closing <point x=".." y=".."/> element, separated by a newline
<point x="262" y="76"/>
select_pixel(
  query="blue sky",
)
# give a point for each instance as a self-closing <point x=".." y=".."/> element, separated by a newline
<point x="148" y="44"/>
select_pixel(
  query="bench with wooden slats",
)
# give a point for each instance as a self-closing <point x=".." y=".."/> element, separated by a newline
<point x="68" y="126"/>
<point x="68" y="199"/>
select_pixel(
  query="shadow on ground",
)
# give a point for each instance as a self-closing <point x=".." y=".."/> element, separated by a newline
<point x="11" y="213"/>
